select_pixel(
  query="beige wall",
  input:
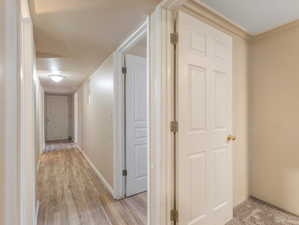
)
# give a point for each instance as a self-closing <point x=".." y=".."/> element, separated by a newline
<point x="2" y="109"/>
<point x="80" y="112"/>
<point x="274" y="110"/>
<point x="96" y="103"/>
<point x="8" y="112"/>
<point x="240" y="120"/>
<point x="240" y="109"/>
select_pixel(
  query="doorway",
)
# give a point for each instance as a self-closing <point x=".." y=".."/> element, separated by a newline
<point x="131" y="172"/>
<point x="59" y="118"/>
<point x="204" y="116"/>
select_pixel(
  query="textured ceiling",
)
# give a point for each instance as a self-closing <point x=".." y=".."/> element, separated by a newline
<point x="257" y="16"/>
<point x="73" y="37"/>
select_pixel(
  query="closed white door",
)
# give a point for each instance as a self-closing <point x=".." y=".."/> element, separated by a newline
<point x="204" y="114"/>
<point x="136" y="125"/>
<point x="57" y="117"/>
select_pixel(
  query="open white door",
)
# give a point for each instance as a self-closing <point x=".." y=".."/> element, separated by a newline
<point x="136" y="125"/>
<point x="204" y="115"/>
<point x="57" y="117"/>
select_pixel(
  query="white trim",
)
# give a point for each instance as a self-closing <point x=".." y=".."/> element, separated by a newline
<point x="221" y="15"/>
<point x="161" y="141"/>
<point x="174" y="4"/>
<point x="149" y="190"/>
<point x="38" y="163"/>
<point x="171" y="4"/>
<point x="27" y="128"/>
<point x="162" y="24"/>
<point x="99" y="174"/>
<point x="156" y="189"/>
<point x="133" y="38"/>
<point x="57" y="139"/>
<point x="36" y="213"/>
<point x="118" y="110"/>
<point x="160" y="63"/>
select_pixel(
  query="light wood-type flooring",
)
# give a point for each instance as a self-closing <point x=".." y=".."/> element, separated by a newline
<point x="70" y="193"/>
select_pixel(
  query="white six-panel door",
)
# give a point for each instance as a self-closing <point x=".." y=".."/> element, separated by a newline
<point x="136" y="125"/>
<point x="204" y="114"/>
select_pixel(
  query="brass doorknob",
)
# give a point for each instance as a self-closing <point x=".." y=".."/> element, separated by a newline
<point x="231" y="138"/>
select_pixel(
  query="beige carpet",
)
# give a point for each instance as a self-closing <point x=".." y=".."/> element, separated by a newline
<point x="255" y="212"/>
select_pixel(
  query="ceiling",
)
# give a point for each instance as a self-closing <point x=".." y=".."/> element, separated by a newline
<point x="257" y="16"/>
<point x="73" y="37"/>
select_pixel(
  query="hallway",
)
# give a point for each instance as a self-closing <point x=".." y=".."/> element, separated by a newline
<point x="70" y="193"/>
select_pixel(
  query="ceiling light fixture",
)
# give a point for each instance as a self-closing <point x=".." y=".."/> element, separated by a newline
<point x="56" y="78"/>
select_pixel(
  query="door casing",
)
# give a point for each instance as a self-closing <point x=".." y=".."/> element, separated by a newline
<point x="119" y="127"/>
<point x="164" y="70"/>
<point x="161" y="69"/>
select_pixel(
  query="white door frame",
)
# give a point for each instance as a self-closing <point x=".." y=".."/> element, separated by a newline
<point x="119" y="110"/>
<point x="158" y="26"/>
<point x="27" y="160"/>
<point x="162" y="23"/>
<point x="161" y="107"/>
<point x="46" y="94"/>
<point x="162" y="70"/>
<point x="161" y="66"/>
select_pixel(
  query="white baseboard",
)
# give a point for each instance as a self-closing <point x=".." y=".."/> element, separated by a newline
<point x="100" y="175"/>
<point x="36" y="213"/>
<point x="38" y="163"/>
<point x="58" y="139"/>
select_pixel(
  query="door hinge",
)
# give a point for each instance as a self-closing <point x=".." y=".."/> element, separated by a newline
<point x="124" y="70"/>
<point x="174" y="38"/>
<point x="174" y="215"/>
<point x="125" y="173"/>
<point x="174" y="126"/>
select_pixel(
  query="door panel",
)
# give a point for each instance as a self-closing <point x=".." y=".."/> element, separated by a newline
<point x="57" y="117"/>
<point x="136" y="125"/>
<point x="204" y="165"/>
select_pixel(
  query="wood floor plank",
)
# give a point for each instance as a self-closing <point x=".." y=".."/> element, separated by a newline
<point x="70" y="193"/>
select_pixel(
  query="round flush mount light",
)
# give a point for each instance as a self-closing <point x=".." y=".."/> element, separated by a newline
<point x="56" y="78"/>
